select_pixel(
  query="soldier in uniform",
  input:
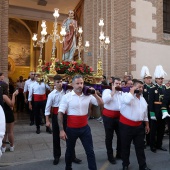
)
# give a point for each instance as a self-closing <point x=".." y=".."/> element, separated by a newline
<point x="147" y="78"/>
<point x="166" y="109"/>
<point x="155" y="103"/>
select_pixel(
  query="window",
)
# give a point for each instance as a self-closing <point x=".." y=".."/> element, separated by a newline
<point x="166" y="16"/>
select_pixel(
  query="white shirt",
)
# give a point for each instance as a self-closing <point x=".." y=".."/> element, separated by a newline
<point x="76" y="105"/>
<point x="133" y="108"/>
<point x="2" y="127"/>
<point x="111" y="102"/>
<point x="27" y="85"/>
<point x="54" y="99"/>
<point x="37" y="88"/>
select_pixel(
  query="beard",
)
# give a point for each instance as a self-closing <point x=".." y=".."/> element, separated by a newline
<point x="78" y="90"/>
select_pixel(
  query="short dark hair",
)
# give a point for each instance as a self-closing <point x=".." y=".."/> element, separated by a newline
<point x="116" y="78"/>
<point x="77" y="76"/>
<point x="57" y="77"/>
<point x="112" y="78"/>
<point x="137" y="82"/>
<point x="1" y="73"/>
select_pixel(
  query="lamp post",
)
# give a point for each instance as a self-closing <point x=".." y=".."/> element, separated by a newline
<point x="104" y="42"/>
<point x="79" y="46"/>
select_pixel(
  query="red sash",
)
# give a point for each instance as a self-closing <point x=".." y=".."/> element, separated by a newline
<point x="129" y="122"/>
<point x="55" y="110"/>
<point x="74" y="121"/>
<point x="111" y="113"/>
<point x="39" y="97"/>
<point x="20" y="90"/>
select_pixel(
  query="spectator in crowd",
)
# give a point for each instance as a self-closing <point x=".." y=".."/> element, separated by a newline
<point x="9" y="116"/>
<point x="104" y="82"/>
<point x="20" y="97"/>
<point x="2" y="120"/>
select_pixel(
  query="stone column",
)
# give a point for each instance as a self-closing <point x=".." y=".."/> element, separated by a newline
<point x="4" y="37"/>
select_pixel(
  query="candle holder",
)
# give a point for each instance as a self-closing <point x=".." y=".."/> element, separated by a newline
<point x="80" y="47"/>
<point x="44" y="38"/>
<point x="104" y="42"/>
<point x="40" y="43"/>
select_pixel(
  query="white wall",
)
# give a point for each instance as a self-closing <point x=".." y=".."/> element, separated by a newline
<point x="151" y="55"/>
<point x="143" y="19"/>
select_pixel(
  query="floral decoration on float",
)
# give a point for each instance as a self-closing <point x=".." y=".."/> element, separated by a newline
<point x="67" y="70"/>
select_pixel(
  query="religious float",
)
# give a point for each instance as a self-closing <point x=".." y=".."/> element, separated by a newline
<point x="68" y="68"/>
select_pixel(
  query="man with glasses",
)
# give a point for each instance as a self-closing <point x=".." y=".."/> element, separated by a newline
<point x="52" y="105"/>
<point x="26" y="93"/>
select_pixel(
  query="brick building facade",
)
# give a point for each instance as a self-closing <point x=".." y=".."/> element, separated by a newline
<point x="135" y="28"/>
<point x="4" y="37"/>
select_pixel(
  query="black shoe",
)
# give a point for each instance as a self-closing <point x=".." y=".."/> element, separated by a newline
<point x="125" y="167"/>
<point x="56" y="161"/>
<point x="146" y="168"/>
<point x="162" y="148"/>
<point x="48" y="130"/>
<point x="153" y="149"/>
<point x="112" y="160"/>
<point x="38" y="131"/>
<point x="31" y="123"/>
<point x="77" y="161"/>
<point x="118" y="156"/>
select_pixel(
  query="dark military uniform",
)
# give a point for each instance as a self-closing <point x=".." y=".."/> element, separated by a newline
<point x="157" y="126"/>
<point x="146" y="90"/>
<point x="166" y="107"/>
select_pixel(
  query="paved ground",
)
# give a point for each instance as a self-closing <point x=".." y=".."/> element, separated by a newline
<point x="34" y="151"/>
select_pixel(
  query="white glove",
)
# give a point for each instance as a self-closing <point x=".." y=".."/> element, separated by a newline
<point x="153" y="118"/>
<point x="165" y="114"/>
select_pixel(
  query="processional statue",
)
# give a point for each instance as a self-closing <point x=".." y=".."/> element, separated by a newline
<point x="69" y="44"/>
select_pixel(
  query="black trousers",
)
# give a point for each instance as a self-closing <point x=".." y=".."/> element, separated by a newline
<point x="111" y="125"/>
<point x="31" y="112"/>
<point x="39" y="106"/>
<point x="56" y="136"/>
<point x="157" y="132"/>
<point x="137" y="134"/>
<point x="85" y="136"/>
<point x="148" y="135"/>
<point x="20" y="102"/>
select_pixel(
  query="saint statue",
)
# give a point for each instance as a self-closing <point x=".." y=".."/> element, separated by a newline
<point x="69" y="44"/>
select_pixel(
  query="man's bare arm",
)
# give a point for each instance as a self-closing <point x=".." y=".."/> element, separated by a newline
<point x="63" y="135"/>
<point x="60" y="120"/>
